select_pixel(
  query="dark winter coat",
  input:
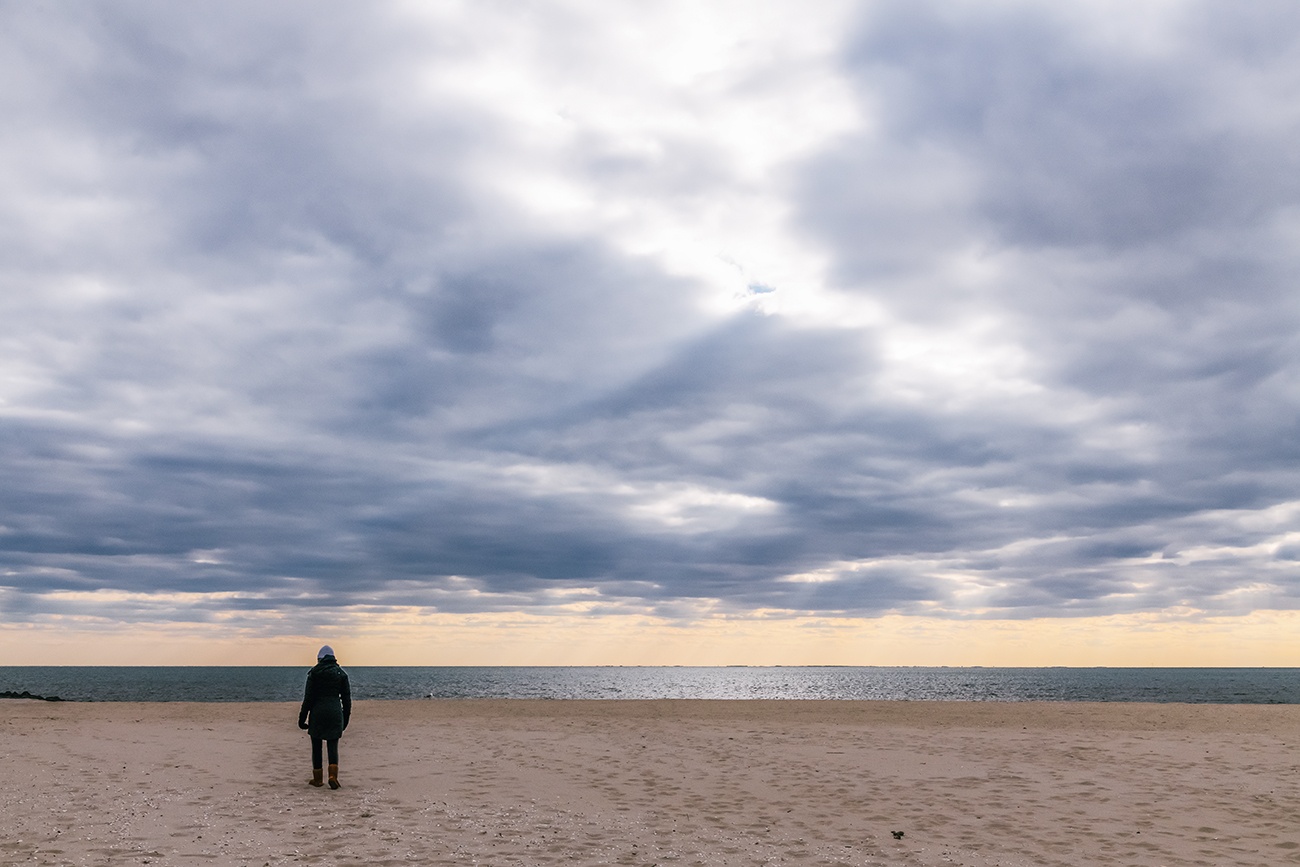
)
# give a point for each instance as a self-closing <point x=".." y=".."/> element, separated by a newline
<point x="327" y="704"/>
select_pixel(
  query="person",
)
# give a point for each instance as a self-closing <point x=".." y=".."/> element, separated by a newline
<point x="326" y="710"/>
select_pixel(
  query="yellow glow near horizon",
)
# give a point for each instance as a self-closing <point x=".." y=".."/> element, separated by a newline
<point x="417" y="638"/>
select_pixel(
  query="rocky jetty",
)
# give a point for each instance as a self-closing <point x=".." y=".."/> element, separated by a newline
<point x="25" y="694"/>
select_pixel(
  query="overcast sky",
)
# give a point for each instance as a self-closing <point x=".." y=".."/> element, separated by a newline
<point x="318" y="312"/>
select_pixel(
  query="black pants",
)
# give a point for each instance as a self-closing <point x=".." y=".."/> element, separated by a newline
<point x="333" y="744"/>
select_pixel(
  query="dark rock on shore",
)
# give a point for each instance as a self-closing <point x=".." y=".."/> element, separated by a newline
<point x="26" y="694"/>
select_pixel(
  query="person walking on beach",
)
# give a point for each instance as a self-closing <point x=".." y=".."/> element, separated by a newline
<point x="326" y="709"/>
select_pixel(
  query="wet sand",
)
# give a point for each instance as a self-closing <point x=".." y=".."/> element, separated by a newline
<point x="662" y="782"/>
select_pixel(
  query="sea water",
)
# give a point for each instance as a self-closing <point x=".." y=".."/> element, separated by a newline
<point x="258" y="683"/>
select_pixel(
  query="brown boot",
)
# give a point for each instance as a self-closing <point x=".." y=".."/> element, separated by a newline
<point x="315" y="780"/>
<point x="334" y="776"/>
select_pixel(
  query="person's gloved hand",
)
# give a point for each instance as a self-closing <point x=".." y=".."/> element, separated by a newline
<point x="302" y="724"/>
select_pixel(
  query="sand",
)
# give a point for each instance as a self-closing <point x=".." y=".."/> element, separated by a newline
<point x="644" y="783"/>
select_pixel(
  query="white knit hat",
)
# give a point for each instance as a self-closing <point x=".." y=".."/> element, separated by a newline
<point x="324" y="652"/>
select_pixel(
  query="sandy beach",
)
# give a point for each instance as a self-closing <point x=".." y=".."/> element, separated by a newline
<point x="663" y="782"/>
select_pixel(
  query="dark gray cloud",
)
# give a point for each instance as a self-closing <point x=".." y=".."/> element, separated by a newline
<point x="281" y="333"/>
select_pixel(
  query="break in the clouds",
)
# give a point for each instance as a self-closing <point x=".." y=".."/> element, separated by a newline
<point x="964" y="310"/>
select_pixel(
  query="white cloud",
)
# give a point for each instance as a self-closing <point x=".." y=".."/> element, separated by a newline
<point x="974" y="310"/>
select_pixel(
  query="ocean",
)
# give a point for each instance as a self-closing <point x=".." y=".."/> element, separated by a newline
<point x="244" y="683"/>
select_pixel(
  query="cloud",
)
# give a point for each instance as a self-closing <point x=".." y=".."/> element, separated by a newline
<point x="972" y="311"/>
<point x="1118" y="210"/>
